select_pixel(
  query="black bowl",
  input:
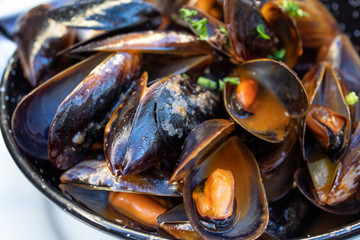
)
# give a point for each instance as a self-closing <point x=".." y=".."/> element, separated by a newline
<point x="46" y="178"/>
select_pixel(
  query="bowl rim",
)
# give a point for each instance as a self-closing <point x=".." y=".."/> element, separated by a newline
<point x="81" y="213"/>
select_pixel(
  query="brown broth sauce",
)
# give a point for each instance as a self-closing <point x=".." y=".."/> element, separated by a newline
<point x="269" y="114"/>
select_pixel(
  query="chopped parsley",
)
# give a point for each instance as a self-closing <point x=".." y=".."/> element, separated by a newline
<point x="207" y="83"/>
<point x="187" y="13"/>
<point x="232" y="80"/>
<point x="217" y="85"/>
<point x="278" y="54"/>
<point x="351" y="98"/>
<point x="225" y="32"/>
<point x="198" y="25"/>
<point x="260" y="29"/>
<point x="292" y="8"/>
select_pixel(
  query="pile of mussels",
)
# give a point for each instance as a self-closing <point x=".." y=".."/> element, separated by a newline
<point x="213" y="119"/>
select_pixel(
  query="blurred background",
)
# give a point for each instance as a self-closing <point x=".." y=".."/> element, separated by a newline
<point x="24" y="212"/>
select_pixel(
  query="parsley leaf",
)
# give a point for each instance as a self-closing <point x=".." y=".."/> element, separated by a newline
<point x="292" y="8"/>
<point x="351" y="98"/>
<point x="278" y="54"/>
<point x="224" y="31"/>
<point x="232" y="80"/>
<point x="207" y="83"/>
<point x="187" y="13"/>
<point x="198" y="25"/>
<point x="216" y="85"/>
<point x="261" y="31"/>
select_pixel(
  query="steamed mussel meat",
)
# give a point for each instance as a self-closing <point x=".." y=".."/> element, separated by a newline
<point x="195" y="128"/>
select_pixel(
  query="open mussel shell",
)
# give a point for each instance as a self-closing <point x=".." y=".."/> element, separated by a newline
<point x="325" y="89"/>
<point x="38" y="39"/>
<point x="285" y="30"/>
<point x="250" y="215"/>
<point x="80" y="119"/>
<point x="279" y="80"/>
<point x="33" y="115"/>
<point x="303" y="181"/>
<point x="105" y="14"/>
<point x="242" y="18"/>
<point x="319" y="28"/>
<point x="209" y="134"/>
<point x="160" y="42"/>
<point x="346" y="184"/>
<point x="94" y="174"/>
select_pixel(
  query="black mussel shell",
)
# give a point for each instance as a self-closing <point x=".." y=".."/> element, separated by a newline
<point x="38" y="39"/>
<point x="160" y="42"/>
<point x="94" y="174"/>
<point x="33" y="115"/>
<point x="82" y="116"/>
<point x="104" y="14"/>
<point x="277" y="79"/>
<point x="168" y="109"/>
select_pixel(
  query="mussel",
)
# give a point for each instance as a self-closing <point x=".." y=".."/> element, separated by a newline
<point x="319" y="27"/>
<point x="94" y="174"/>
<point x="38" y="39"/>
<point x="31" y="131"/>
<point x="227" y="178"/>
<point x="80" y="119"/>
<point x="279" y="89"/>
<point x="169" y="109"/>
<point x="166" y="42"/>
<point x="105" y="15"/>
<point x="327" y="135"/>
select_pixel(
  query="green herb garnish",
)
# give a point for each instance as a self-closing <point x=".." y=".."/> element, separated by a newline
<point x="187" y="13"/>
<point x="207" y="83"/>
<point x="278" y="54"/>
<point x="198" y="25"/>
<point x="200" y="28"/>
<point x="216" y="85"/>
<point x="292" y="8"/>
<point x="224" y="31"/>
<point x="351" y="98"/>
<point x="261" y="31"/>
<point x="232" y="80"/>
